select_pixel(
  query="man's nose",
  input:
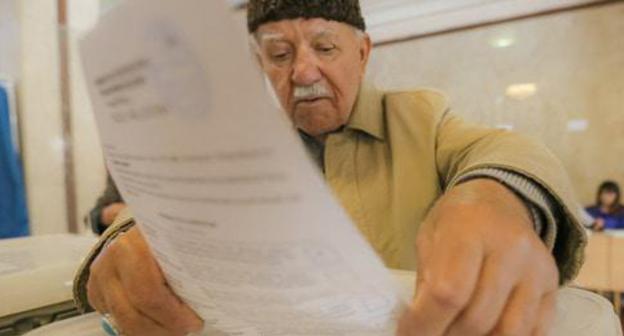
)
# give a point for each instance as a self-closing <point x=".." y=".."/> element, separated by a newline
<point x="306" y="69"/>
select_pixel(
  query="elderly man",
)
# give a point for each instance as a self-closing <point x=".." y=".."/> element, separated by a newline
<point x="485" y="216"/>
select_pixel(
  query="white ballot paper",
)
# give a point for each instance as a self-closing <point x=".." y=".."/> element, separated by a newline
<point x="241" y="222"/>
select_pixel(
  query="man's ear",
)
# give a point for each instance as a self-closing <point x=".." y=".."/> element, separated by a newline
<point x="366" y="45"/>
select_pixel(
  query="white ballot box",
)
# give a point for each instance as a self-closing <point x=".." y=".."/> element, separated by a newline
<point x="36" y="276"/>
<point x="579" y="313"/>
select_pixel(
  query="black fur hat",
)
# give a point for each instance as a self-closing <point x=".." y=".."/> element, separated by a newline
<point x="263" y="11"/>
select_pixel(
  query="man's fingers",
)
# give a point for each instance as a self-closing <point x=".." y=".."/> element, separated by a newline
<point x="546" y="315"/>
<point x="94" y="296"/>
<point x="126" y="281"/>
<point x="520" y="314"/>
<point x="146" y="286"/>
<point x="423" y="253"/>
<point x="487" y="305"/>
<point x="448" y="280"/>
<point x="128" y="320"/>
<point x="101" y="272"/>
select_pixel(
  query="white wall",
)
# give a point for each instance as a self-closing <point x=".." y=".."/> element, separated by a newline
<point x="88" y="158"/>
<point x="29" y="32"/>
<point x="40" y="116"/>
<point x="9" y="39"/>
<point x="558" y="78"/>
<point x="107" y="4"/>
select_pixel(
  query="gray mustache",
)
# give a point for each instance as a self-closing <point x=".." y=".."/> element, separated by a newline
<point x="311" y="92"/>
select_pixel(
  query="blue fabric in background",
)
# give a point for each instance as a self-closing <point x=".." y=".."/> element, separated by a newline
<point x="614" y="221"/>
<point x="13" y="211"/>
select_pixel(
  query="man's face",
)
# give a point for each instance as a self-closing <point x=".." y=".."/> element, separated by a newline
<point x="316" y="68"/>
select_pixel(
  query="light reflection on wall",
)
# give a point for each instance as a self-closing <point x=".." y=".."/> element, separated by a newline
<point x="559" y="78"/>
<point x="521" y="91"/>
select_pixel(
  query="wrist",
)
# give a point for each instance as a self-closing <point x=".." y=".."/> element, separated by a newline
<point x="490" y="196"/>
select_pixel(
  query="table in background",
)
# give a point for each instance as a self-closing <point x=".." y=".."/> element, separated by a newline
<point x="603" y="270"/>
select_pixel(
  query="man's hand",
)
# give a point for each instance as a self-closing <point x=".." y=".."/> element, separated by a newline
<point x="126" y="282"/>
<point x="110" y="212"/>
<point x="482" y="269"/>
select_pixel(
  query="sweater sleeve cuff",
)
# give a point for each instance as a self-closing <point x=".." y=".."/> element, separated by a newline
<point x="123" y="223"/>
<point x="539" y="202"/>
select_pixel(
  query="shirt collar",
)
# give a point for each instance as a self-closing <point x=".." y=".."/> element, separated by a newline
<point x="368" y="112"/>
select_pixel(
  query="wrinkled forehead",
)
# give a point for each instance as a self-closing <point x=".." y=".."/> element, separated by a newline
<point x="308" y="29"/>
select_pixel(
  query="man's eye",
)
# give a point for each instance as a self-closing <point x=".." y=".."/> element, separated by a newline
<point x="280" y="56"/>
<point x="326" y="48"/>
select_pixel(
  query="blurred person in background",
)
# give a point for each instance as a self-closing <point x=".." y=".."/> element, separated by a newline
<point x="608" y="212"/>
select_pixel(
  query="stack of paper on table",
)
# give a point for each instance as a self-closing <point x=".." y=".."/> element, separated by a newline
<point x="36" y="275"/>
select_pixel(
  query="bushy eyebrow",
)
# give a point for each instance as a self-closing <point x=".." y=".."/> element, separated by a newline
<point x="279" y="37"/>
<point x="271" y="37"/>
<point x="324" y="32"/>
